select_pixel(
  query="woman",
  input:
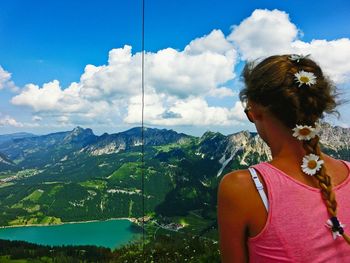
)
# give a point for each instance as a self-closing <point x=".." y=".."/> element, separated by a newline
<point x="300" y="209"/>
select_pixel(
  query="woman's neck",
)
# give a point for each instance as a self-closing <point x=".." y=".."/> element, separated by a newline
<point x="282" y="143"/>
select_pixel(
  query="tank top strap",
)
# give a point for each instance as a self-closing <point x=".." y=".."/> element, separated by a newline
<point x="259" y="186"/>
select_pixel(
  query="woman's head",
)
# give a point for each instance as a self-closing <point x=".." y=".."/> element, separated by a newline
<point x="272" y="83"/>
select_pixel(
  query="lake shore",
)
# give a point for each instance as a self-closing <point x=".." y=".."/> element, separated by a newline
<point x="131" y="219"/>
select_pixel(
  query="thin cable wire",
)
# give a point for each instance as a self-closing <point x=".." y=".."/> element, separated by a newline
<point x="142" y="125"/>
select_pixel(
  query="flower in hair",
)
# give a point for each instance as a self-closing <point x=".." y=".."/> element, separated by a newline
<point x="336" y="227"/>
<point x="297" y="58"/>
<point x="304" y="132"/>
<point x="304" y="77"/>
<point x="311" y="164"/>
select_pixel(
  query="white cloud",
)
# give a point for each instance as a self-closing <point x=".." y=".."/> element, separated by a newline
<point x="264" y="33"/>
<point x="204" y="65"/>
<point x="4" y="77"/>
<point x="178" y="74"/>
<point x="5" y="80"/>
<point x="215" y="42"/>
<point x="64" y="120"/>
<point x="170" y="111"/>
<point x="196" y="111"/>
<point x="153" y="107"/>
<point x="45" y="98"/>
<point x="9" y="121"/>
<point x="120" y="77"/>
<point x="333" y="56"/>
<point x="222" y="92"/>
<point x="109" y="91"/>
<point x="268" y="32"/>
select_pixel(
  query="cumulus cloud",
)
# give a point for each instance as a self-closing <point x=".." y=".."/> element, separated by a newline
<point x="45" y="98"/>
<point x="9" y="121"/>
<point x="4" y="77"/>
<point x="214" y="42"/>
<point x="182" y="75"/>
<point x="268" y="32"/>
<point x="110" y="91"/>
<point x="153" y="108"/>
<point x="196" y="111"/>
<point x="202" y="67"/>
<point x="5" y="80"/>
<point x="222" y="92"/>
<point x="119" y="78"/>
<point x="333" y="56"/>
<point x="264" y="33"/>
<point x="170" y="111"/>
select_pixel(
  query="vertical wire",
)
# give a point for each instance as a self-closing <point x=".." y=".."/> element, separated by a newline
<point x="142" y="125"/>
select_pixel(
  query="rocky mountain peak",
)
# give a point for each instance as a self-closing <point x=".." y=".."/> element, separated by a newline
<point x="334" y="137"/>
<point x="79" y="135"/>
<point x="79" y="130"/>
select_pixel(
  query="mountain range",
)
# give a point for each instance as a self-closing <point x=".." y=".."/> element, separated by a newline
<point x="77" y="175"/>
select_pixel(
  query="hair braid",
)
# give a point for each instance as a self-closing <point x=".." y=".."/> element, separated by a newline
<point x="324" y="181"/>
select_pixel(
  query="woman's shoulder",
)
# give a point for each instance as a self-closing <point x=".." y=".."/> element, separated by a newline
<point x="237" y="186"/>
<point x="236" y="179"/>
<point x="233" y="218"/>
<point x="239" y="201"/>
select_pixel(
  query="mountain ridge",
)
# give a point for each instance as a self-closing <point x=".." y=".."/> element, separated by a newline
<point x="77" y="175"/>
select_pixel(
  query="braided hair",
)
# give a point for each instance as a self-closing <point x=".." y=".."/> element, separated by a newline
<point x="272" y="84"/>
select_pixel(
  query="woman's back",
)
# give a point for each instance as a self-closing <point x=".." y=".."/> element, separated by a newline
<point x="295" y="229"/>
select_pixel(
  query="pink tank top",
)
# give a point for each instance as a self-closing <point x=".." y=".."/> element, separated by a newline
<point x="295" y="230"/>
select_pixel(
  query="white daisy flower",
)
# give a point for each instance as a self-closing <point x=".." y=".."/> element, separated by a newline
<point x="296" y="57"/>
<point x="304" y="77"/>
<point x="304" y="132"/>
<point x="311" y="164"/>
<point x="335" y="232"/>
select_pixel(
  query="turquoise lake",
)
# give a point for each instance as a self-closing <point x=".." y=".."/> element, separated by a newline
<point x="110" y="233"/>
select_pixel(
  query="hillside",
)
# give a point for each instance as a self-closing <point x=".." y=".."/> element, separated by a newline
<point x="77" y="175"/>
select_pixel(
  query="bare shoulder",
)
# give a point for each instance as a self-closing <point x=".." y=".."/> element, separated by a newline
<point x="238" y="180"/>
<point x="234" y="213"/>
<point x="236" y="187"/>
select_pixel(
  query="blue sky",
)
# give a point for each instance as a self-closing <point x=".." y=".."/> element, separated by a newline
<point x="45" y="46"/>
